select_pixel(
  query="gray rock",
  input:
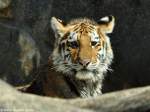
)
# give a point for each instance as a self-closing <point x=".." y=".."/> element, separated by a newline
<point x="28" y="52"/>
<point x="14" y="101"/>
<point x="134" y="100"/>
<point x="130" y="40"/>
<point x="19" y="55"/>
<point x="4" y="3"/>
<point x="24" y="39"/>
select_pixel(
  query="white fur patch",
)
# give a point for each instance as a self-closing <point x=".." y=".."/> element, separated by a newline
<point x="84" y="75"/>
<point x="94" y="37"/>
<point x="72" y="37"/>
<point x="105" y="19"/>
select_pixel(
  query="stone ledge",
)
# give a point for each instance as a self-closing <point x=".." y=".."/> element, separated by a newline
<point x="133" y="100"/>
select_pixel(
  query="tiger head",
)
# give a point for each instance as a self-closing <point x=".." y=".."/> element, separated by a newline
<point x="82" y="47"/>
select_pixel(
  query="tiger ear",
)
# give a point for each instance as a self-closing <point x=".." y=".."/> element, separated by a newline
<point x="57" y="26"/>
<point x="106" y="24"/>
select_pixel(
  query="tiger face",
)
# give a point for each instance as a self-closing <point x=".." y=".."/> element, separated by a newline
<point x="82" y="47"/>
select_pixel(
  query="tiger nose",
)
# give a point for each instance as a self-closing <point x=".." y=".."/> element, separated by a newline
<point x="84" y="62"/>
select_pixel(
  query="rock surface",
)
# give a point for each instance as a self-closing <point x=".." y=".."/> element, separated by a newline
<point x="4" y="3"/>
<point x="134" y="100"/>
<point x="29" y="24"/>
<point x="26" y="41"/>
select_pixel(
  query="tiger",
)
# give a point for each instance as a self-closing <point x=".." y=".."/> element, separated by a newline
<point x="82" y="54"/>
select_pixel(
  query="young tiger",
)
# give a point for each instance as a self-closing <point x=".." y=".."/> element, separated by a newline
<point x="81" y="56"/>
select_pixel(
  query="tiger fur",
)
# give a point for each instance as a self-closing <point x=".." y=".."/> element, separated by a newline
<point x="82" y="54"/>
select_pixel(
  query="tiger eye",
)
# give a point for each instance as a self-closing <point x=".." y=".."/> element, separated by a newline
<point x="72" y="44"/>
<point x="93" y="43"/>
<point x="97" y="38"/>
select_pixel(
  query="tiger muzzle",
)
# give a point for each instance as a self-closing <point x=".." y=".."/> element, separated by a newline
<point x="84" y="62"/>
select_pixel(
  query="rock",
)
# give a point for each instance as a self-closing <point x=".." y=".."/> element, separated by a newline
<point x="15" y="101"/>
<point x="24" y="39"/>
<point x="29" y="52"/>
<point x="134" y="100"/>
<point x="6" y="13"/>
<point x="5" y="9"/>
<point x="130" y="40"/>
<point x="4" y="3"/>
<point x="19" y="55"/>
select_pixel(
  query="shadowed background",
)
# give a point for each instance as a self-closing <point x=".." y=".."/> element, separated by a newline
<point x="26" y="39"/>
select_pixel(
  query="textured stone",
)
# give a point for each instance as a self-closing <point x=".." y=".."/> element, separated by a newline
<point x="134" y="100"/>
<point x="4" y="3"/>
<point x="14" y="101"/>
<point x="130" y="40"/>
